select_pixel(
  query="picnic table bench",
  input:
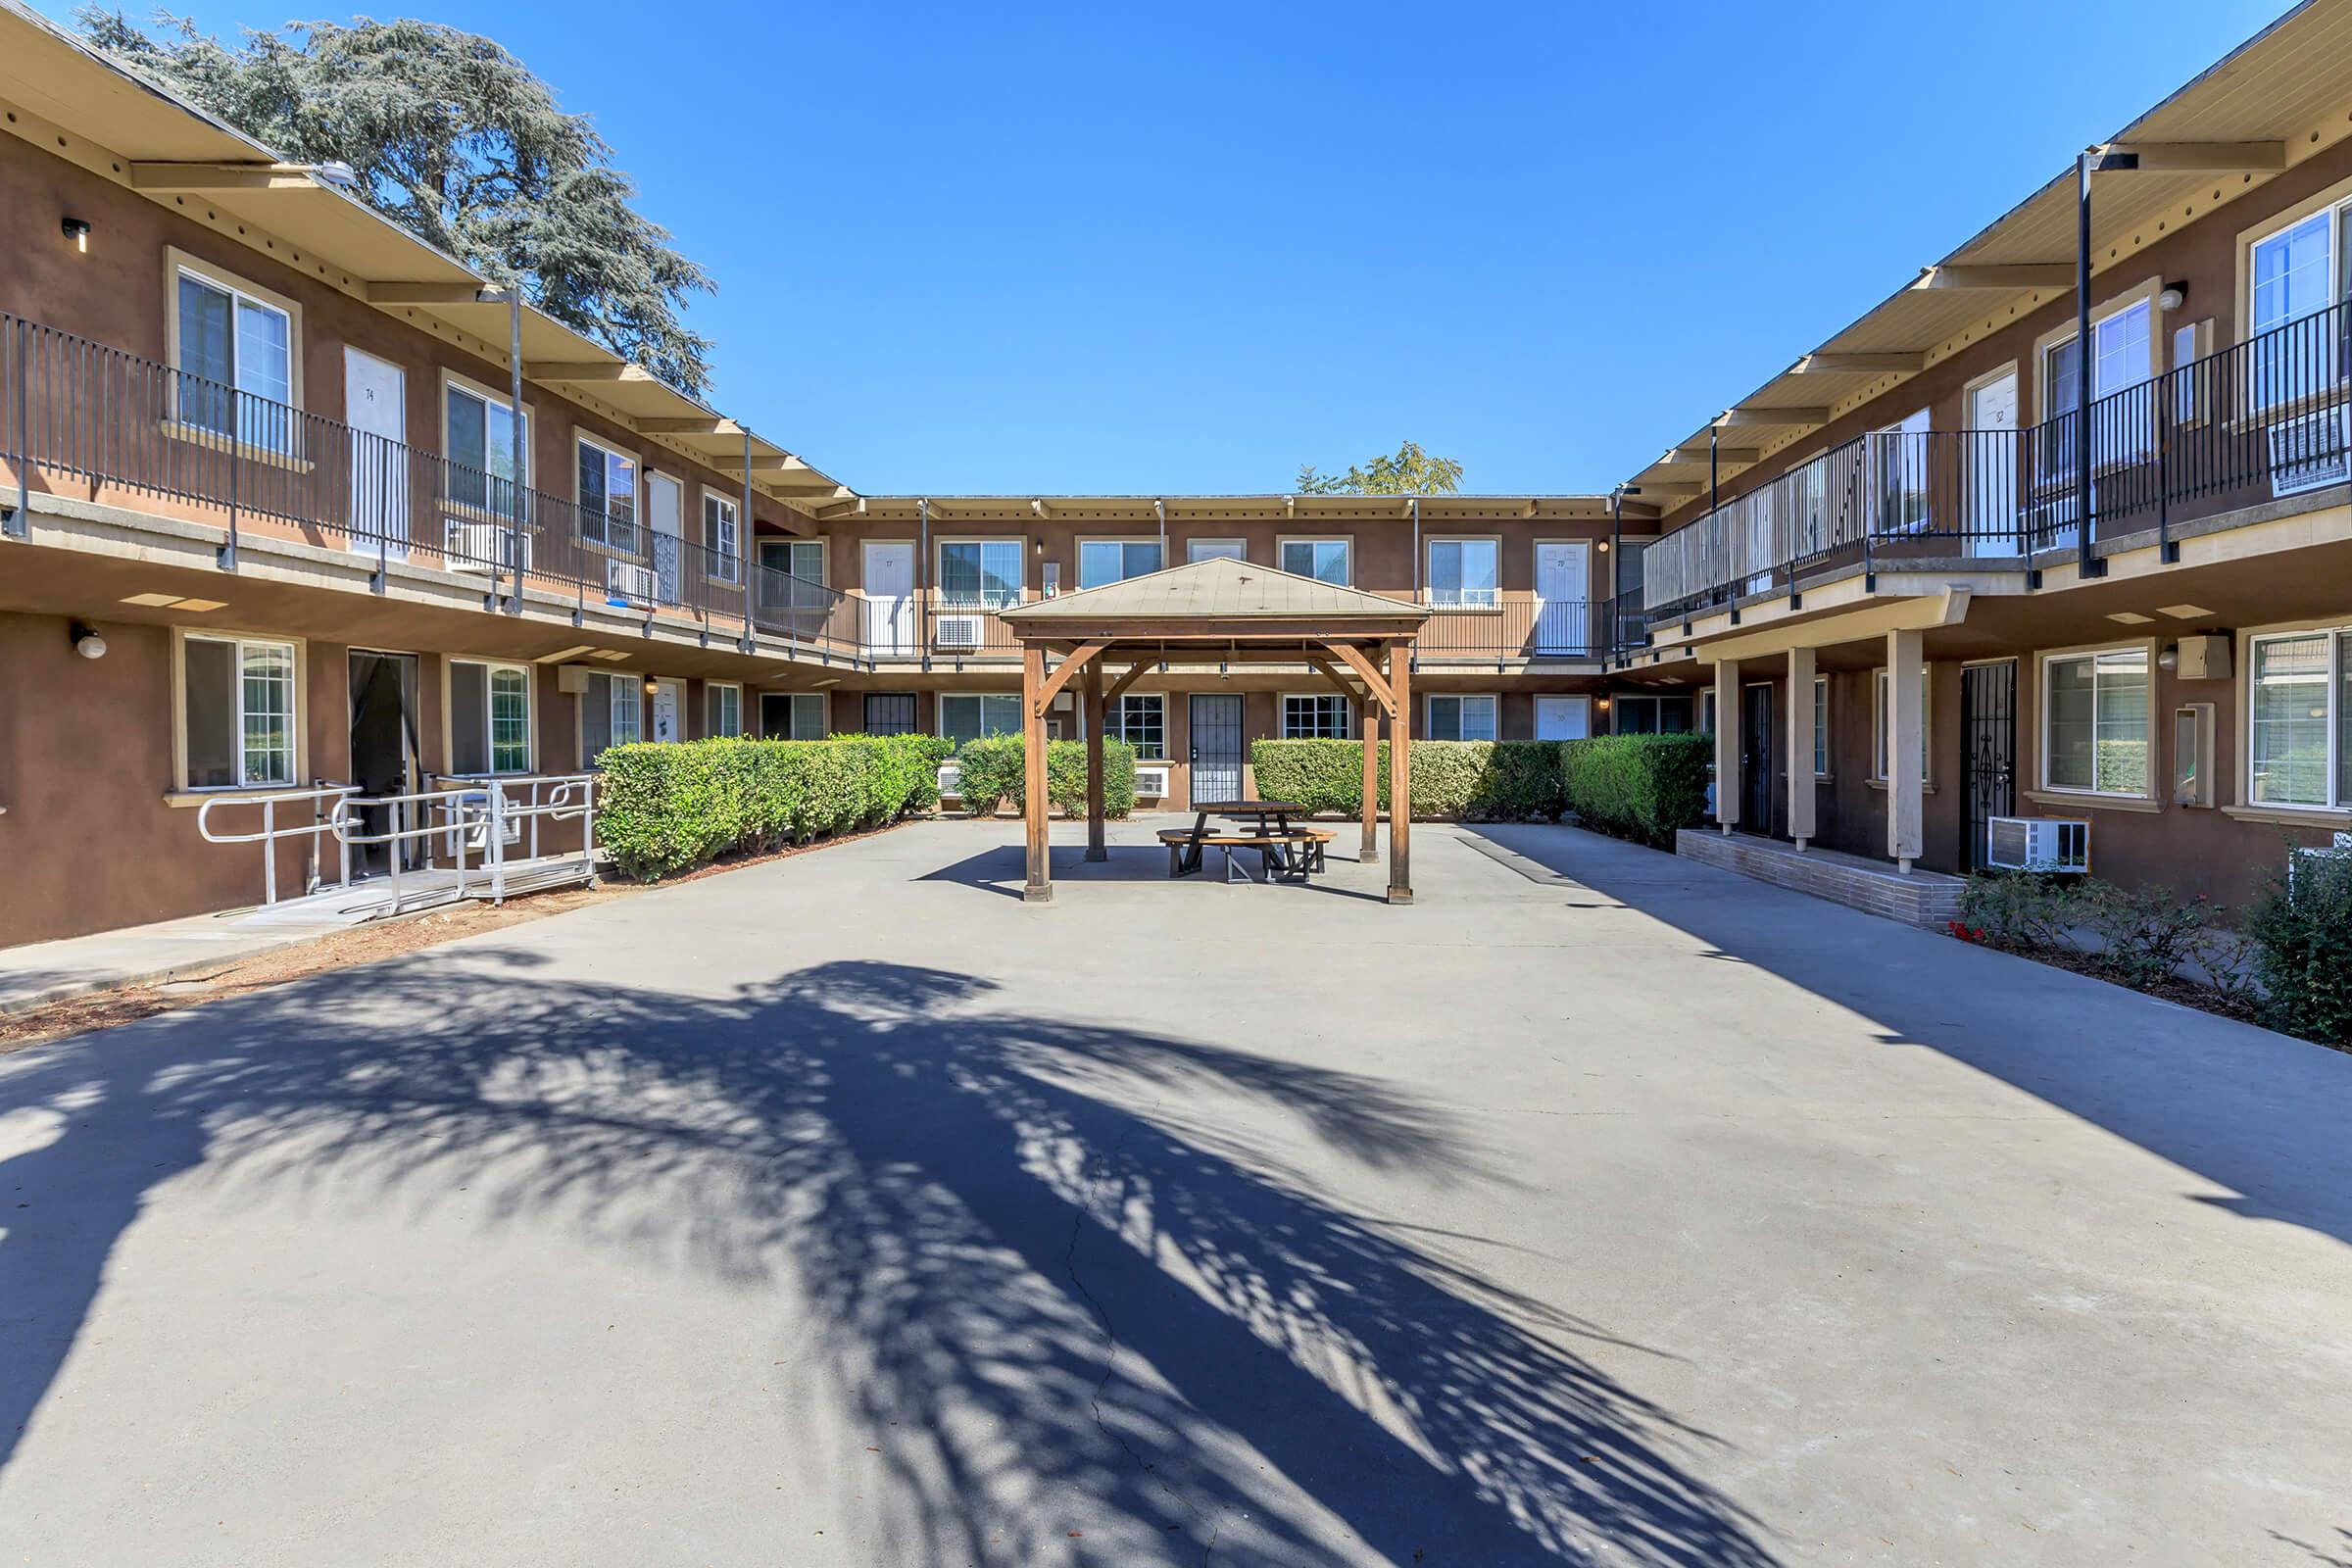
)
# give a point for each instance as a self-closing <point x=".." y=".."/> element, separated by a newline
<point x="1286" y="853"/>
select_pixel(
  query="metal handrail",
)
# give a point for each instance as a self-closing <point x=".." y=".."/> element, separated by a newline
<point x="452" y="813"/>
<point x="86" y="410"/>
<point x="271" y="834"/>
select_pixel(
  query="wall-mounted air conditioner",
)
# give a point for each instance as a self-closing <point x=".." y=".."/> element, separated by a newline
<point x="950" y="780"/>
<point x="627" y="583"/>
<point x="485" y="547"/>
<point x="2037" y="844"/>
<point x="959" y="631"/>
<point x="1152" y="780"/>
<point x="2308" y="452"/>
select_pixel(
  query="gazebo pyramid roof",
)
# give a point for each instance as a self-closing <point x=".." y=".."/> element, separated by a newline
<point x="1218" y="589"/>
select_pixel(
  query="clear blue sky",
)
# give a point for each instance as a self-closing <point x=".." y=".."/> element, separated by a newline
<point x="1188" y="248"/>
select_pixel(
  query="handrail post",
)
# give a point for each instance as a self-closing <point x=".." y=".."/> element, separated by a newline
<point x="269" y="850"/>
<point x="227" y="556"/>
<point x="20" y="524"/>
<point x="2086" y="563"/>
<point x="495" y="848"/>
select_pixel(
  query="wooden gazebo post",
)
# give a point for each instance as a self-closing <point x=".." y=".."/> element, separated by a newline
<point x="1093" y="680"/>
<point x="1039" y="889"/>
<point x="1400" y="773"/>
<point x="1371" y="730"/>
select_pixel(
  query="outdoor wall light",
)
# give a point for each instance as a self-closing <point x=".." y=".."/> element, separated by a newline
<point x="1602" y="703"/>
<point x="2170" y="658"/>
<point x="2175" y="296"/>
<point x="652" y="687"/>
<point x="1604" y="547"/>
<point x="79" y="232"/>
<point x="86" y="641"/>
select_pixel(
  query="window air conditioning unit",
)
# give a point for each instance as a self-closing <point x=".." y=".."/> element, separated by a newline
<point x="2308" y="452"/>
<point x="628" y="584"/>
<point x="950" y="780"/>
<point x="2037" y="844"/>
<point x="485" y="547"/>
<point x="1152" y="780"/>
<point x="959" y="631"/>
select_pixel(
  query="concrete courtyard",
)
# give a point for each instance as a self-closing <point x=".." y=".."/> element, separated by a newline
<point x="1600" y="1208"/>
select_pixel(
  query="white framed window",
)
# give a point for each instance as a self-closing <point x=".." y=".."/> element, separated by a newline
<point x="612" y="714"/>
<point x="1109" y="560"/>
<point x="1315" y="717"/>
<point x="794" y="715"/>
<point x="1900" y="468"/>
<point x="1324" y="560"/>
<point x="980" y="574"/>
<point x="2121" y="358"/>
<point x="2096" y="721"/>
<point x="234" y="348"/>
<point x="1878" y="722"/>
<point x="1465" y="572"/>
<point x="1821" y="726"/>
<point x="237" y="712"/>
<point x="1460" y="718"/>
<point x="1706" y="712"/>
<point x="2299" y="717"/>
<point x="1141" y="719"/>
<point x="1639" y="715"/>
<point x="489" y="718"/>
<point x="1216" y="550"/>
<point x="969" y="716"/>
<point x="2294" y="273"/>
<point x="722" y="705"/>
<point x="804" y="559"/>
<point x="607" y="495"/>
<point x="721" y="539"/>
<point x="487" y="449"/>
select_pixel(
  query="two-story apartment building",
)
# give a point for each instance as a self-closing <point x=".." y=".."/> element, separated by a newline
<point x="1963" y="562"/>
<point x="291" y="502"/>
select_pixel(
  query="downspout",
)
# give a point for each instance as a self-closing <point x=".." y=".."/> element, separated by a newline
<point x="922" y="577"/>
<point x="521" y="441"/>
<point x="1419" y="588"/>
<point x="743" y="539"/>
<point x="1160" y="506"/>
<point x="2085" y="566"/>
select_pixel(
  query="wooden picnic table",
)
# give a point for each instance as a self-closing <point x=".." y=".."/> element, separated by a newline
<point x="1272" y="826"/>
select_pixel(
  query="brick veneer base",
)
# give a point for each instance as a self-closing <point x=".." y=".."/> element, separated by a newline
<point x="1922" y="899"/>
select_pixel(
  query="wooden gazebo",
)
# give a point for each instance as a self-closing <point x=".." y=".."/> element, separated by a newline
<point x="1212" y="614"/>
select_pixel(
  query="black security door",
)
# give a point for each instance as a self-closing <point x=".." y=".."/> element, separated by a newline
<point x="890" y="713"/>
<point x="1216" y="753"/>
<point x="1987" y="749"/>
<point x="1755" y="759"/>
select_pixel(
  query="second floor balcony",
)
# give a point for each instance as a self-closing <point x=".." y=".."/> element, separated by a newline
<point x="90" y="421"/>
<point x="2262" y="421"/>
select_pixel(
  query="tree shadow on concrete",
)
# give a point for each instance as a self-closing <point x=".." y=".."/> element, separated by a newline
<point x="2251" y="1111"/>
<point x="1041" y="1299"/>
<point x="1003" y="870"/>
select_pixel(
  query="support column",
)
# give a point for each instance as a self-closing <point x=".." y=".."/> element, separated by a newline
<point x="1092" y="689"/>
<point x="1039" y="889"/>
<point x="1800" y="747"/>
<point x="1371" y="731"/>
<point x="1401" y="772"/>
<point x="1727" y="742"/>
<point x="1906" y="784"/>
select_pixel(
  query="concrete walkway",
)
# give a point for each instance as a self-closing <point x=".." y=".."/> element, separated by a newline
<point x="1600" y="1208"/>
<point x="38" y="972"/>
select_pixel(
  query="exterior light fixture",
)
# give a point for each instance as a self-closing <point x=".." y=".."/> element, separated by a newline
<point x="1602" y="703"/>
<point x="2175" y="296"/>
<point x="652" y="687"/>
<point x="79" y="232"/>
<point x="86" y="641"/>
<point x="2170" y="658"/>
<point x="337" y="174"/>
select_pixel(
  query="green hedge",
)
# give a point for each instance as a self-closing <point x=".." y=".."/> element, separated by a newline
<point x="2301" y="934"/>
<point x="1489" y="781"/>
<point x="1638" y="786"/>
<point x="994" y="770"/>
<point x="668" y="808"/>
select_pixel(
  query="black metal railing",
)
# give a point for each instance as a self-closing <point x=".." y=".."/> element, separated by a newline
<point x="2262" y="419"/>
<point x="77" y="415"/>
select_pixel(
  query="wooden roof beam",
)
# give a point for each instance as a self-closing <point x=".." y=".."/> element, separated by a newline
<point x="1787" y="418"/>
<point x="1698" y="454"/>
<point x="710" y="425"/>
<point x="2005" y="277"/>
<point x="2189" y="157"/>
<point x="220" y="176"/>
<point x="461" y="291"/>
<point x="585" y="370"/>
<point x="1909" y="362"/>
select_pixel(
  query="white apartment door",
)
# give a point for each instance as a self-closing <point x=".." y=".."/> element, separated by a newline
<point x="1563" y="595"/>
<point x="375" y="405"/>
<point x="889" y="580"/>
<point x="665" y="507"/>
<point x="1563" y="718"/>
<point x="1991" y="421"/>
<point x="669" y="705"/>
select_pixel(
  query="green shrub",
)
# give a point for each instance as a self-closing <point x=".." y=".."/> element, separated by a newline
<point x="1485" y="781"/>
<point x="2302" y="937"/>
<point x="1641" y="787"/>
<point x="669" y="808"/>
<point x="994" y="771"/>
<point x="2020" y="911"/>
<point x="2145" y="934"/>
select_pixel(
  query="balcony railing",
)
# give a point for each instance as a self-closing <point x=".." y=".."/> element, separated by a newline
<point x="111" y="424"/>
<point x="1517" y="627"/>
<point x="2263" y="419"/>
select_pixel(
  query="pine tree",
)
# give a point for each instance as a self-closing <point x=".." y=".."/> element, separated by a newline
<point x="457" y="141"/>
